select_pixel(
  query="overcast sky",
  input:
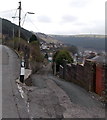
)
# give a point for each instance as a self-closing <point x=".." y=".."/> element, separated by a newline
<point x="59" y="16"/>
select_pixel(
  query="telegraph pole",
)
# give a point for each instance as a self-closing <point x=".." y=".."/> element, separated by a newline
<point x="19" y="23"/>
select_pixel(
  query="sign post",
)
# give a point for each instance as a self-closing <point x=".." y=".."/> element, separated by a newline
<point x="22" y="73"/>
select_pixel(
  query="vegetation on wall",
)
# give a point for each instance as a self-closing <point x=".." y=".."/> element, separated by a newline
<point x="27" y="49"/>
<point x="35" y="52"/>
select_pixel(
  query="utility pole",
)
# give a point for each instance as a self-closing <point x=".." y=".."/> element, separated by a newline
<point x="13" y="37"/>
<point x="19" y="23"/>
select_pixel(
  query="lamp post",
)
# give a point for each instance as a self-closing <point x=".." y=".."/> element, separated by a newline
<point x="20" y="21"/>
<point x="13" y="32"/>
<point x="25" y="16"/>
<point x="13" y="25"/>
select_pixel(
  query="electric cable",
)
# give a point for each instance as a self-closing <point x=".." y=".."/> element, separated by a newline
<point x="15" y="15"/>
<point x="7" y="11"/>
<point x="30" y="21"/>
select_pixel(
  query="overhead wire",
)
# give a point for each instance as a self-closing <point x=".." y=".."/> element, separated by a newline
<point x="30" y="21"/>
<point x="15" y="15"/>
<point x="8" y="14"/>
<point x="7" y="11"/>
<point x="33" y="23"/>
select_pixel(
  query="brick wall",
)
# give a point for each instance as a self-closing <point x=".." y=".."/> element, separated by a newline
<point x="100" y="79"/>
<point x="89" y="75"/>
<point x="85" y="76"/>
<point x="73" y="73"/>
<point x="81" y="75"/>
<point x="68" y="72"/>
<point x="105" y="82"/>
<point x="61" y="71"/>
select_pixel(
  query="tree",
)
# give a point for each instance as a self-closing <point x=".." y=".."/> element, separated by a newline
<point x="33" y="38"/>
<point x="60" y="55"/>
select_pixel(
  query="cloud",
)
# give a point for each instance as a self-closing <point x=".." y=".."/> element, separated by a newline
<point x="79" y="3"/>
<point x="7" y="14"/>
<point x="106" y="18"/>
<point x="44" y="19"/>
<point x="63" y="16"/>
<point x="78" y="23"/>
<point x="68" y="19"/>
<point x="95" y="27"/>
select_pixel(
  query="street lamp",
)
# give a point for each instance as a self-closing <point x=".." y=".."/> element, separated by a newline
<point x="13" y="25"/>
<point x="14" y="31"/>
<point x="19" y="23"/>
<point x="25" y="16"/>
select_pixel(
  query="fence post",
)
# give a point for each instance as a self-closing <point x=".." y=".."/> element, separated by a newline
<point x="54" y="68"/>
<point x="64" y="68"/>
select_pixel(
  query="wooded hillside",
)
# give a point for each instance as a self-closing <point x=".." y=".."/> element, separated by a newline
<point x="7" y="30"/>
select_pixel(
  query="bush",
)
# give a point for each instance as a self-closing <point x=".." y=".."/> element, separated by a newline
<point x="35" y="52"/>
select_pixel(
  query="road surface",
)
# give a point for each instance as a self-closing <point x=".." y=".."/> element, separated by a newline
<point x="13" y="105"/>
<point x="49" y="93"/>
<point x="49" y="97"/>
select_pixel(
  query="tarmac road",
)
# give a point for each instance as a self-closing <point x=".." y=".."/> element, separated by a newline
<point x="83" y="104"/>
<point x="82" y="98"/>
<point x="50" y="96"/>
<point x="13" y="105"/>
<point x="79" y="95"/>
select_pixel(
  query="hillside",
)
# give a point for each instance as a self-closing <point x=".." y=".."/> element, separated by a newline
<point x="46" y="38"/>
<point x="86" y="41"/>
<point x="7" y="30"/>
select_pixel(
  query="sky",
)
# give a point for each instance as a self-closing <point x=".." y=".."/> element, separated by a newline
<point x="61" y="17"/>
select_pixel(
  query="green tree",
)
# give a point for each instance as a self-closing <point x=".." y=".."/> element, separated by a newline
<point x="33" y="38"/>
<point x="60" y="55"/>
